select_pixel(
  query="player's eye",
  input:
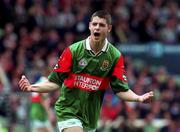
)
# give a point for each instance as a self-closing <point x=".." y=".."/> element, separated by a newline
<point x="102" y="25"/>
<point x="94" y="24"/>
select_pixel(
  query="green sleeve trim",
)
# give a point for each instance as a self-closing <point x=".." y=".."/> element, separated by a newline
<point x="118" y="85"/>
<point x="57" y="77"/>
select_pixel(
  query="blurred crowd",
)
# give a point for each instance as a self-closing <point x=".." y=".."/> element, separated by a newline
<point x="33" y="33"/>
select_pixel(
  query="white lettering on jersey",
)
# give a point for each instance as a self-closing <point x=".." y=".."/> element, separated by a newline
<point x="87" y="83"/>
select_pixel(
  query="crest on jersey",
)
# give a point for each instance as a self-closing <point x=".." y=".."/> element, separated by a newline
<point x="105" y="65"/>
<point x="82" y="62"/>
<point x="125" y="78"/>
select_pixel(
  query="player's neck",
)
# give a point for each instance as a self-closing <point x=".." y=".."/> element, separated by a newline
<point x="97" y="46"/>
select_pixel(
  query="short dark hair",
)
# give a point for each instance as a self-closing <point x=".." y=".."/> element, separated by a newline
<point x="102" y="14"/>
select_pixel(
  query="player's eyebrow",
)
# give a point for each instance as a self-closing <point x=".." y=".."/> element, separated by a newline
<point x="100" y="24"/>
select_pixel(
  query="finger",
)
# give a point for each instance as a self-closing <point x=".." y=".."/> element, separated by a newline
<point x="149" y="98"/>
<point x="24" y="77"/>
<point x="151" y="93"/>
<point x="21" y="82"/>
<point x="24" y="85"/>
<point x="148" y="95"/>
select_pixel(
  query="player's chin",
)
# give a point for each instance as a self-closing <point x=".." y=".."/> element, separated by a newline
<point x="96" y="39"/>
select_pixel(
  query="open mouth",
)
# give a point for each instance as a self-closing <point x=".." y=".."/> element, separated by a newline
<point x="96" y="34"/>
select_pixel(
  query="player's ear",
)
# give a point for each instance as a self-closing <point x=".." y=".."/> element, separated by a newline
<point x="89" y="25"/>
<point x="109" y="28"/>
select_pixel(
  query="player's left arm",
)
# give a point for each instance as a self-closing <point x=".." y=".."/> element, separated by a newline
<point x="129" y="95"/>
<point x="120" y="82"/>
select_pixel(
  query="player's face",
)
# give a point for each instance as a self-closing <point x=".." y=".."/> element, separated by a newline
<point x="99" y="29"/>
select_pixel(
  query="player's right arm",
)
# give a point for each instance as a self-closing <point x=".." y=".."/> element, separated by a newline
<point x="55" y="79"/>
<point x="41" y="87"/>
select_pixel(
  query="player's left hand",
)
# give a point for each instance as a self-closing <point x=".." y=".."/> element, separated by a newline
<point x="146" y="98"/>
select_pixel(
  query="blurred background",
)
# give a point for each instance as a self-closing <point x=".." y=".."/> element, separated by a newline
<point x="33" y="34"/>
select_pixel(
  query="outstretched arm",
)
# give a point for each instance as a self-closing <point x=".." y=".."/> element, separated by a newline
<point x="42" y="87"/>
<point x="129" y="95"/>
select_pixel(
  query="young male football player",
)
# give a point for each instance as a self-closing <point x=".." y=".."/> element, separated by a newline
<point x="82" y="74"/>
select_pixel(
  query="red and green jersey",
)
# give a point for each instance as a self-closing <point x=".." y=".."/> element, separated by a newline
<point x="83" y="78"/>
<point x="37" y="110"/>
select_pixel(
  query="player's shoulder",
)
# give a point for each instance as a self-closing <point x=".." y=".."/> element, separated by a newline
<point x="113" y="50"/>
<point x="77" y="45"/>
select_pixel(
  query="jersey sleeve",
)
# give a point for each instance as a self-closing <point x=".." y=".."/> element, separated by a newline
<point x="62" y="68"/>
<point x="118" y="78"/>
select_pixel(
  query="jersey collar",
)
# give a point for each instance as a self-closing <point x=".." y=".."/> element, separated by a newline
<point x="88" y="47"/>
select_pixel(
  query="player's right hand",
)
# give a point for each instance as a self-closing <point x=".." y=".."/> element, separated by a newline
<point x="24" y="84"/>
